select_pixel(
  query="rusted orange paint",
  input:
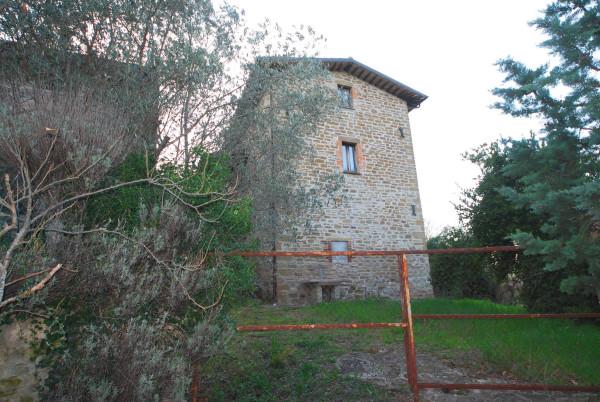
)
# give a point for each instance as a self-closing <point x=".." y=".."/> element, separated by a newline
<point x="297" y="327"/>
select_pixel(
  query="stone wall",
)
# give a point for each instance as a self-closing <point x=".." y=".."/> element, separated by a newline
<point x="19" y="376"/>
<point x="374" y="211"/>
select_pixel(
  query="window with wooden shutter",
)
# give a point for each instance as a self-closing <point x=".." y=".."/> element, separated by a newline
<point x="349" y="164"/>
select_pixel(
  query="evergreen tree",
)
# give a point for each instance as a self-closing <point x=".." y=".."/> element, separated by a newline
<point x="489" y="218"/>
<point x="558" y="170"/>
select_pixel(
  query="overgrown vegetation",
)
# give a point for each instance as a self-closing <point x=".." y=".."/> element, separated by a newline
<point x="117" y="196"/>
<point x="265" y="138"/>
<point x="296" y="366"/>
<point x="151" y="320"/>
<point x="544" y="192"/>
<point x="270" y="366"/>
<point x="469" y="275"/>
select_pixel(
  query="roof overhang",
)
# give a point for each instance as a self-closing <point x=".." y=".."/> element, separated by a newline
<point x="412" y="97"/>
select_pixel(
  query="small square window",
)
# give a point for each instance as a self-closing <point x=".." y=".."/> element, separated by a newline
<point x="345" y="96"/>
<point x="349" y="158"/>
<point x="339" y="246"/>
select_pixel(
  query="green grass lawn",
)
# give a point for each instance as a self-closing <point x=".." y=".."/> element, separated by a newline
<point x="545" y="350"/>
<point x="300" y="365"/>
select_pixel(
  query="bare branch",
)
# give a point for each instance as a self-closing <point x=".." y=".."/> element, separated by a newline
<point x="16" y="310"/>
<point x="200" y="306"/>
<point x="88" y="194"/>
<point x="10" y="204"/>
<point x="25" y="277"/>
<point x="34" y="289"/>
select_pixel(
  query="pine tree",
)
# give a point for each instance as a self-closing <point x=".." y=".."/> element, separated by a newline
<point x="558" y="170"/>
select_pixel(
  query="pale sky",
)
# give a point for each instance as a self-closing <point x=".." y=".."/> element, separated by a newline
<point x="445" y="49"/>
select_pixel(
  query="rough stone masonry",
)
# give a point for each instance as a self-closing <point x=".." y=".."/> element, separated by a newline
<point x="380" y="208"/>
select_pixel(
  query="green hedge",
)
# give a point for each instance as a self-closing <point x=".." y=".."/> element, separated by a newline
<point x="459" y="275"/>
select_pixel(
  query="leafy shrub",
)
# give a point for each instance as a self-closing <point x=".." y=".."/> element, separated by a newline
<point x="130" y="322"/>
<point x="124" y="206"/>
<point x="459" y="275"/>
<point x="477" y="275"/>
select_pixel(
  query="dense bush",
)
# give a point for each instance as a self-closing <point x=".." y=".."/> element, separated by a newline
<point x="478" y="275"/>
<point x="125" y="206"/>
<point x="459" y="275"/>
<point x="541" y="289"/>
<point x="127" y="307"/>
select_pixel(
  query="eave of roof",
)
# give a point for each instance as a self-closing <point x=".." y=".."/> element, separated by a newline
<point x="412" y="97"/>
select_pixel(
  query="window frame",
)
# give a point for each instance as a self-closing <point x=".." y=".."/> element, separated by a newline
<point x="345" y="88"/>
<point x="340" y="259"/>
<point x="346" y="147"/>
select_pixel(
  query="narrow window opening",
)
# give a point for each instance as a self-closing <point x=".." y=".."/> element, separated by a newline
<point x="349" y="157"/>
<point x="345" y="96"/>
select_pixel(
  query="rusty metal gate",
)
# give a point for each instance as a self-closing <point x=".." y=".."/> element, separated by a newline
<point x="407" y="317"/>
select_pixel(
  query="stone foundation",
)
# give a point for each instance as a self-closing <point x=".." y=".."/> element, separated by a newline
<point x="303" y="281"/>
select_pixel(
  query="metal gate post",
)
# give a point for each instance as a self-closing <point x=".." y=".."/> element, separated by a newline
<point x="409" y="337"/>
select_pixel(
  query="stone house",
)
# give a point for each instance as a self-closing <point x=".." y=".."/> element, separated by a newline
<point x="368" y="140"/>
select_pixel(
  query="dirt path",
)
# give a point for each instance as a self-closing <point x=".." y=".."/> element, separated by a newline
<point x="387" y="368"/>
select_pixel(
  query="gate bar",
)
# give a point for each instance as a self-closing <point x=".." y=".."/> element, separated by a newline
<point x="358" y="253"/>
<point x="512" y="387"/>
<point x="295" y="327"/>
<point x="502" y="316"/>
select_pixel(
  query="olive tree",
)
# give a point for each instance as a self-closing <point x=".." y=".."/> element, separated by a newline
<point x="116" y="186"/>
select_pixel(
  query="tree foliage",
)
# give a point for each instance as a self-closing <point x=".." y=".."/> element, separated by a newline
<point x="284" y="101"/>
<point x="543" y="191"/>
<point x="557" y="173"/>
<point x="282" y="105"/>
<point x="459" y="275"/>
<point x="112" y="116"/>
<point x="488" y="218"/>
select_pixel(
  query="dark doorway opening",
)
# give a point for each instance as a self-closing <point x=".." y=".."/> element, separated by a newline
<point x="327" y="293"/>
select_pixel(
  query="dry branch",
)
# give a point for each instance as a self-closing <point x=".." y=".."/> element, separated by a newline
<point x="34" y="289"/>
